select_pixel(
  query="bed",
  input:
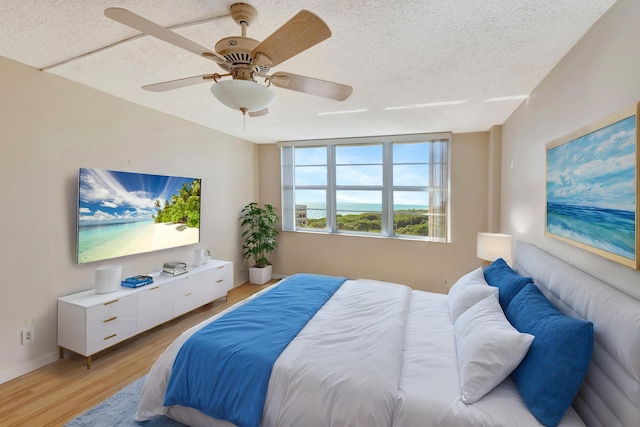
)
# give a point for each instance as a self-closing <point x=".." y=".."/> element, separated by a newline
<point x="381" y="354"/>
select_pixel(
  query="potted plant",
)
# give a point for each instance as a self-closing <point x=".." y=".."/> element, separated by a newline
<point x="259" y="234"/>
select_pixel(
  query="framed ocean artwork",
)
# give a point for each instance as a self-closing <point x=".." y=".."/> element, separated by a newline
<point x="592" y="188"/>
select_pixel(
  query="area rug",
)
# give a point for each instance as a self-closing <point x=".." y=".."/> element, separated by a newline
<point x="120" y="410"/>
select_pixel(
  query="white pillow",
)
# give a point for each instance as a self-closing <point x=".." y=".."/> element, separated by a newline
<point x="467" y="291"/>
<point x="488" y="347"/>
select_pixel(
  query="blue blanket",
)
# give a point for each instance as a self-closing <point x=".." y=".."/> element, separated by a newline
<point x="223" y="370"/>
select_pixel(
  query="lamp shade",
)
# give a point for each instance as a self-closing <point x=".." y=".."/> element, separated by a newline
<point x="492" y="246"/>
<point x="243" y="95"/>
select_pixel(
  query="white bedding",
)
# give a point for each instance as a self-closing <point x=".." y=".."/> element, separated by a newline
<point x="429" y="391"/>
<point x="376" y="354"/>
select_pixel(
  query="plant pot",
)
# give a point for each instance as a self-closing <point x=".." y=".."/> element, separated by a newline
<point x="260" y="276"/>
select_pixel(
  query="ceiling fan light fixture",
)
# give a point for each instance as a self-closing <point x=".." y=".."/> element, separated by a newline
<point x="243" y="95"/>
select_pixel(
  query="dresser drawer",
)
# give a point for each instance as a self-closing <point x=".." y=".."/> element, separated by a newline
<point x="218" y="281"/>
<point x="109" y="333"/>
<point x="187" y="294"/>
<point x="155" y="305"/>
<point x="113" y="308"/>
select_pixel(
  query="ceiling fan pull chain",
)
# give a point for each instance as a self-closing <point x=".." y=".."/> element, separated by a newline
<point x="244" y="119"/>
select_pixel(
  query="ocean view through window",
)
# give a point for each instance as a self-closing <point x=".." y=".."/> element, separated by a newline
<point x="394" y="186"/>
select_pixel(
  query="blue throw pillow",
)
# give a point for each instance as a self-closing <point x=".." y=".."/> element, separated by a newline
<point x="552" y="371"/>
<point x="508" y="282"/>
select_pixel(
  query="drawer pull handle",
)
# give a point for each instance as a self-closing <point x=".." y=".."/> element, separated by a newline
<point x="186" y="295"/>
<point x="112" y="302"/>
<point x="110" y="336"/>
<point x="220" y="268"/>
<point x="111" y="319"/>
<point x="154" y="288"/>
<point x="219" y="281"/>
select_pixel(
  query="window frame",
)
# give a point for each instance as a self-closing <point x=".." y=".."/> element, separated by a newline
<point x="387" y="189"/>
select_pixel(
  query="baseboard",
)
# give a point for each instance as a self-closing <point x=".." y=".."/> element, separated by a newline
<point x="25" y="368"/>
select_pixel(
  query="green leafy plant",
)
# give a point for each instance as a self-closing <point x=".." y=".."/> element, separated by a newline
<point x="184" y="207"/>
<point x="259" y="232"/>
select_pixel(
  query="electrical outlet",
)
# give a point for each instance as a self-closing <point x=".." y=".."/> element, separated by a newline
<point x="446" y="283"/>
<point x="27" y="335"/>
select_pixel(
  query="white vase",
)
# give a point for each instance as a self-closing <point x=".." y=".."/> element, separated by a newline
<point x="108" y="279"/>
<point x="197" y="257"/>
<point x="260" y="276"/>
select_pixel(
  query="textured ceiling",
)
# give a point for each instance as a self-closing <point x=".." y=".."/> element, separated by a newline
<point x="448" y="57"/>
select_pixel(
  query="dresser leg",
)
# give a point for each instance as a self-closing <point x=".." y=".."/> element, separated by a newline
<point x="60" y="352"/>
<point x="89" y="362"/>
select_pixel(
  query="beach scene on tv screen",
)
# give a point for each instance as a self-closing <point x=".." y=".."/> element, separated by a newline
<point x="125" y="213"/>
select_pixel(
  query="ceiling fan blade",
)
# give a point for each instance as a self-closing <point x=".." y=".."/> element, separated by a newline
<point x="298" y="34"/>
<point x="323" y="88"/>
<point x="143" y="25"/>
<point x="259" y="113"/>
<point x="177" y="84"/>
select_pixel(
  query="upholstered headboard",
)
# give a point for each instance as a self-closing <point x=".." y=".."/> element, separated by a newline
<point x="610" y="393"/>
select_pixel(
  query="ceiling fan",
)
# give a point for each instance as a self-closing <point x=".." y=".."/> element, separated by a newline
<point x="244" y="59"/>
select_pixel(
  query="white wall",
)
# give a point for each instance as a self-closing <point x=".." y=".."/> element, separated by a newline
<point x="50" y="128"/>
<point x="599" y="76"/>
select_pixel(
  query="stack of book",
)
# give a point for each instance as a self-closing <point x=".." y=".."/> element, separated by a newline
<point x="174" y="268"/>
<point x="137" y="281"/>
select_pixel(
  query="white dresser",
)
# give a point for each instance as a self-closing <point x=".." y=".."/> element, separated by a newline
<point x="89" y="322"/>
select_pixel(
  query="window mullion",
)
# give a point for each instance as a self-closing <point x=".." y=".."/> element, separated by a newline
<point x="446" y="177"/>
<point x="288" y="189"/>
<point x="387" y="189"/>
<point x="432" y="180"/>
<point x="331" y="189"/>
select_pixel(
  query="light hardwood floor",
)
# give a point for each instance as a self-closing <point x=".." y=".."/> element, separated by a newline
<point x="56" y="393"/>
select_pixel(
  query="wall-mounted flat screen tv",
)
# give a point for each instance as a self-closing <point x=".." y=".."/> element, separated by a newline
<point x="124" y="213"/>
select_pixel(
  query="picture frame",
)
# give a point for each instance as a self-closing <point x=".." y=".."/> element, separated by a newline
<point x="592" y="188"/>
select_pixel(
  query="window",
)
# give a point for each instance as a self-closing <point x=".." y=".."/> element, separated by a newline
<point x="384" y="186"/>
